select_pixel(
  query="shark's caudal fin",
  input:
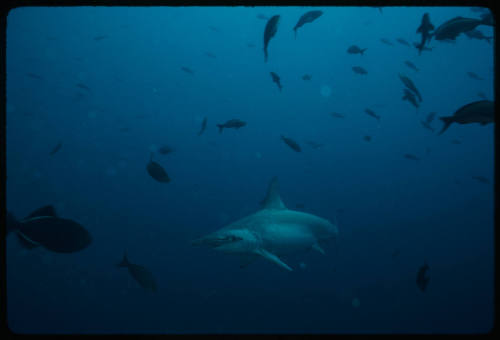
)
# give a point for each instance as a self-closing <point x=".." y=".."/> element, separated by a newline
<point x="273" y="258"/>
<point x="447" y="122"/>
<point x="273" y="199"/>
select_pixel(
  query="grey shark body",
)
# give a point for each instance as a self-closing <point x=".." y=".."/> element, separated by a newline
<point x="271" y="232"/>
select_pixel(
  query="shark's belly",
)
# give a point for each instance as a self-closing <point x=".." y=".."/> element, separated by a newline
<point x="284" y="239"/>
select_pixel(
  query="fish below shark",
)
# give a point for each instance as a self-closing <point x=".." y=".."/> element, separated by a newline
<point x="271" y="232"/>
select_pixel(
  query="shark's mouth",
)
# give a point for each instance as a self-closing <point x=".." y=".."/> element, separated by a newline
<point x="216" y="241"/>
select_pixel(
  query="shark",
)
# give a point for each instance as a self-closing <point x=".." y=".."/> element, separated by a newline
<point x="272" y="231"/>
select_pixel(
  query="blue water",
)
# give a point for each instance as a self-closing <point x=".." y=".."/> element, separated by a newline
<point x="431" y="210"/>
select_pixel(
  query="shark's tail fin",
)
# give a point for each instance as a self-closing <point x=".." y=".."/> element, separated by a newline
<point x="447" y="122"/>
<point x="124" y="262"/>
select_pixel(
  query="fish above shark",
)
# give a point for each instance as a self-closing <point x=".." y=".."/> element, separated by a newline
<point x="271" y="232"/>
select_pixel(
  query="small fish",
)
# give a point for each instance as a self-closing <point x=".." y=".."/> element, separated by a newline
<point x="359" y="70"/>
<point x="481" y="95"/>
<point x="44" y="228"/>
<point x="424" y="29"/>
<point x="203" y="126"/>
<point x="411" y="156"/>
<point x="422" y="278"/>
<point x="262" y="17"/>
<point x="367" y="138"/>
<point x="403" y="42"/>
<point x="306" y="77"/>
<point x="100" y="37"/>
<point x="356" y="50"/>
<point x="231" y="124"/>
<point x="56" y="148"/>
<point x="474" y="76"/>
<point x="276" y="79"/>
<point x="481" y="179"/>
<point x="165" y="149"/>
<point x="210" y="55"/>
<point x="140" y="274"/>
<point x="428" y="120"/>
<point x="83" y="86"/>
<point x="482" y="112"/>
<point x="336" y="115"/>
<point x="270" y="32"/>
<point x="187" y="70"/>
<point x="373" y="114"/>
<point x="307" y="18"/>
<point x="456" y="141"/>
<point x="156" y="171"/>
<point x="411" y="65"/>
<point x="410" y="85"/>
<point x="410" y="97"/>
<point x="251" y="45"/>
<point x="387" y="42"/>
<point x="314" y="145"/>
<point x="34" y="76"/>
<point x="291" y="143"/>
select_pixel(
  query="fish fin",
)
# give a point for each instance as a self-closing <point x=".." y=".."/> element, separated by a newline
<point x="25" y="241"/>
<point x="221" y="127"/>
<point x="447" y="122"/>
<point x="47" y="210"/>
<point x="124" y="262"/>
<point x="273" y="199"/>
<point x="362" y="51"/>
<point x="273" y="258"/>
<point x="247" y="259"/>
<point x="317" y="247"/>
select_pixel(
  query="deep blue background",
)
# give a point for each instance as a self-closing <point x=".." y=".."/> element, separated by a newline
<point x="431" y="209"/>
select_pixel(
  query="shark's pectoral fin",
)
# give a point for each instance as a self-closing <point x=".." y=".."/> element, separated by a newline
<point x="318" y="248"/>
<point x="247" y="259"/>
<point x="273" y="258"/>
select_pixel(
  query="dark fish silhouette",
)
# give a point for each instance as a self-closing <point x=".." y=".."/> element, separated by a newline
<point x="203" y="126"/>
<point x="140" y="274"/>
<point x="231" y="124"/>
<point x="411" y="156"/>
<point x="482" y="112"/>
<point x="410" y="97"/>
<point x="427" y="122"/>
<point x="307" y="18"/>
<point x="487" y="19"/>
<point x="373" y="114"/>
<point x="291" y="143"/>
<point x="165" y="149"/>
<point x="479" y="9"/>
<point x="359" y="70"/>
<point x="424" y="48"/>
<point x="56" y="148"/>
<point x="424" y="29"/>
<point x="83" y="86"/>
<point x="306" y="77"/>
<point x="100" y="37"/>
<point x="44" y="228"/>
<point x="156" y="171"/>
<point x="276" y="79"/>
<point x="187" y="70"/>
<point x="411" y="65"/>
<point x="403" y="42"/>
<point x="250" y="45"/>
<point x="422" y="278"/>
<point x="269" y="32"/>
<point x="356" y="50"/>
<point x="367" y="138"/>
<point x="336" y="115"/>
<point x="452" y="28"/>
<point x="474" y="76"/>
<point x="410" y="85"/>
<point x="34" y="76"/>
<point x="476" y="34"/>
<point x="387" y="42"/>
<point x="481" y="179"/>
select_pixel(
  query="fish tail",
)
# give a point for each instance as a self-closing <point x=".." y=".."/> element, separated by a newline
<point x="221" y="127"/>
<point x="447" y="122"/>
<point x="362" y="51"/>
<point x="124" y="262"/>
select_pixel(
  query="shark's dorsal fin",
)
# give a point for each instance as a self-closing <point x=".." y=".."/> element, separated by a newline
<point x="273" y="199"/>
